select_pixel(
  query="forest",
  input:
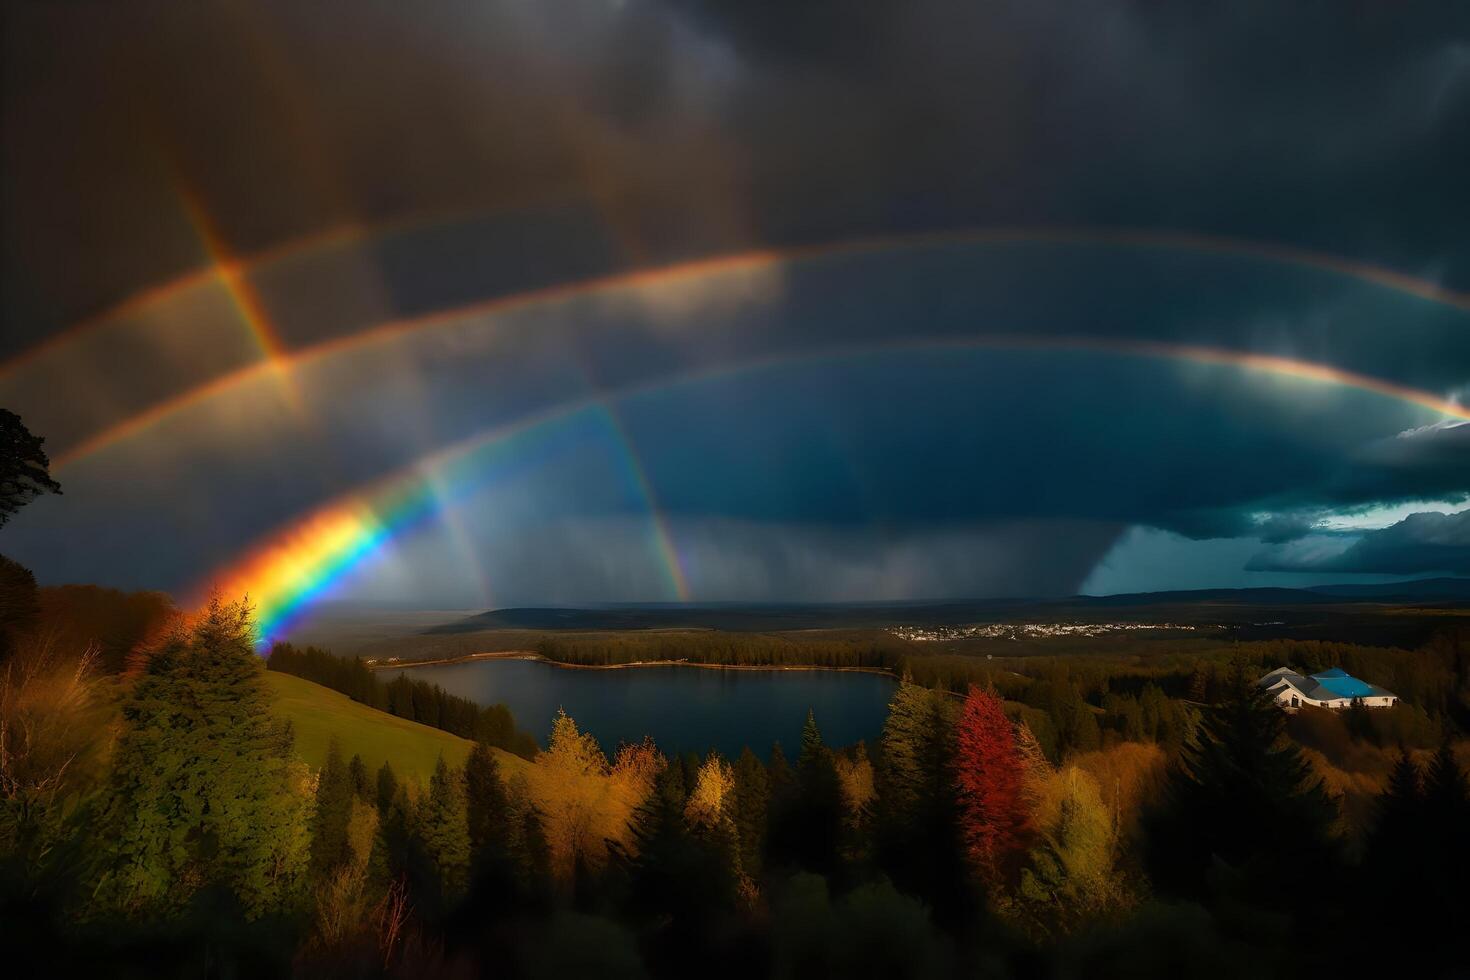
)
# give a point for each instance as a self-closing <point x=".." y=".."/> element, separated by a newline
<point x="1080" y="818"/>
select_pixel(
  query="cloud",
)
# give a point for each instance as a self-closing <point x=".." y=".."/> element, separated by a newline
<point x="688" y="126"/>
<point x="1424" y="542"/>
<point x="619" y="560"/>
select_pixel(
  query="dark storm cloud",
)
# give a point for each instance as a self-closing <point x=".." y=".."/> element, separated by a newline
<point x="564" y="140"/>
<point x="691" y="126"/>
<point x="1427" y="462"/>
<point x="1426" y="542"/>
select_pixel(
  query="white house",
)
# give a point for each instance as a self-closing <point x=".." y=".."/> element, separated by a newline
<point x="1330" y="689"/>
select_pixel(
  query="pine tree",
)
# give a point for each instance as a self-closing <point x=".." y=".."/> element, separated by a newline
<point x="443" y="829"/>
<point x="1243" y="797"/>
<point x="989" y="778"/>
<point x="675" y="871"/>
<point x="779" y="776"/>
<point x="202" y="788"/>
<point x="525" y="840"/>
<point x="329" y="820"/>
<point x="1446" y="819"/>
<point x="357" y="774"/>
<point x="486" y="803"/>
<point x="809" y="831"/>
<point x="916" y="820"/>
<point x="387" y="787"/>
<point x="752" y="797"/>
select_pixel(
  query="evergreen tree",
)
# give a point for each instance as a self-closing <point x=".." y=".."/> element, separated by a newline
<point x="916" y="819"/>
<point x="1447" y="826"/>
<point x="809" y="833"/>
<point x="202" y="789"/>
<point x="387" y="787"/>
<point x="443" y="829"/>
<point x="1415" y="865"/>
<point x="675" y="873"/>
<point x="329" y="820"/>
<point x="357" y="774"/>
<point x="1241" y="797"/>
<point x="1400" y="808"/>
<point x="24" y="468"/>
<point x="485" y="802"/>
<point x="752" y="796"/>
<point x="779" y="776"/>
<point x="525" y="842"/>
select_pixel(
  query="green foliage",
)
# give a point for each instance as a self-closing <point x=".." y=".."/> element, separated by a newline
<point x="916" y="814"/>
<point x="674" y="871"/>
<point x="869" y="650"/>
<point x="387" y="787"/>
<point x="202" y="788"/>
<point x="442" y="829"/>
<point x="334" y="793"/>
<point x="486" y="805"/>
<point x="752" y="800"/>
<point x="1071" y="875"/>
<point x="357" y="775"/>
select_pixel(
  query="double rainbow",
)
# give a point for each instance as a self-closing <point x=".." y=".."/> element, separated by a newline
<point x="298" y="564"/>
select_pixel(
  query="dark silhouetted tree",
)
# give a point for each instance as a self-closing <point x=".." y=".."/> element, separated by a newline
<point x="387" y="787"/>
<point x="24" y="468"/>
<point x="1243" y="812"/>
<point x="20" y="604"/>
<point x="362" y="784"/>
<point x="752" y="797"/>
<point x="485" y="803"/>
<point x="806" y="831"/>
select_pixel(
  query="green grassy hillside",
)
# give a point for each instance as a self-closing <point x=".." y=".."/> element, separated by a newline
<point x="318" y="713"/>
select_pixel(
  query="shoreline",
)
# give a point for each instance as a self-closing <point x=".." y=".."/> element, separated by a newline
<point x="533" y="656"/>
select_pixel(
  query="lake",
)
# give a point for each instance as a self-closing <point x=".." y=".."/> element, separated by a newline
<point x="684" y="708"/>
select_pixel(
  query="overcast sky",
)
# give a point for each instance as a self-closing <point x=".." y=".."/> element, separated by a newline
<point x="1149" y="295"/>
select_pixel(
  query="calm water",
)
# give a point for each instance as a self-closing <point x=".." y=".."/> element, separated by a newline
<point x="683" y="708"/>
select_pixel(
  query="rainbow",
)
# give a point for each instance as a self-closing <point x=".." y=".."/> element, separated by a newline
<point x="284" y="575"/>
<point x="231" y="274"/>
<point x="145" y="420"/>
<point x="297" y="565"/>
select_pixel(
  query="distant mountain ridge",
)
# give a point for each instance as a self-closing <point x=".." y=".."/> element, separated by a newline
<point x="1191" y="605"/>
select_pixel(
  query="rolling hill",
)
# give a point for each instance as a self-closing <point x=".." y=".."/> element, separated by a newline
<point x="318" y="713"/>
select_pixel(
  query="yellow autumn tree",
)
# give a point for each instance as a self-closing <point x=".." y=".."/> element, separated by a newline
<point x="1071" y="875"/>
<point x="856" y="775"/>
<point x="708" y="805"/>
<point x="584" y="802"/>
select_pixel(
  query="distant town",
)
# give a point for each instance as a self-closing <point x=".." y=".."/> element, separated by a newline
<point x="1020" y="631"/>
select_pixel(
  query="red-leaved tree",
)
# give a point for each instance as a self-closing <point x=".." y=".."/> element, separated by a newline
<point x="990" y="779"/>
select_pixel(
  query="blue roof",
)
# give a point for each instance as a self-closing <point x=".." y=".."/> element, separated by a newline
<point x="1343" y="685"/>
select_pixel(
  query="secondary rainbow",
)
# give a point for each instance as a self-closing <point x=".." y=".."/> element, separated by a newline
<point x="143" y="421"/>
<point x="295" y="566"/>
